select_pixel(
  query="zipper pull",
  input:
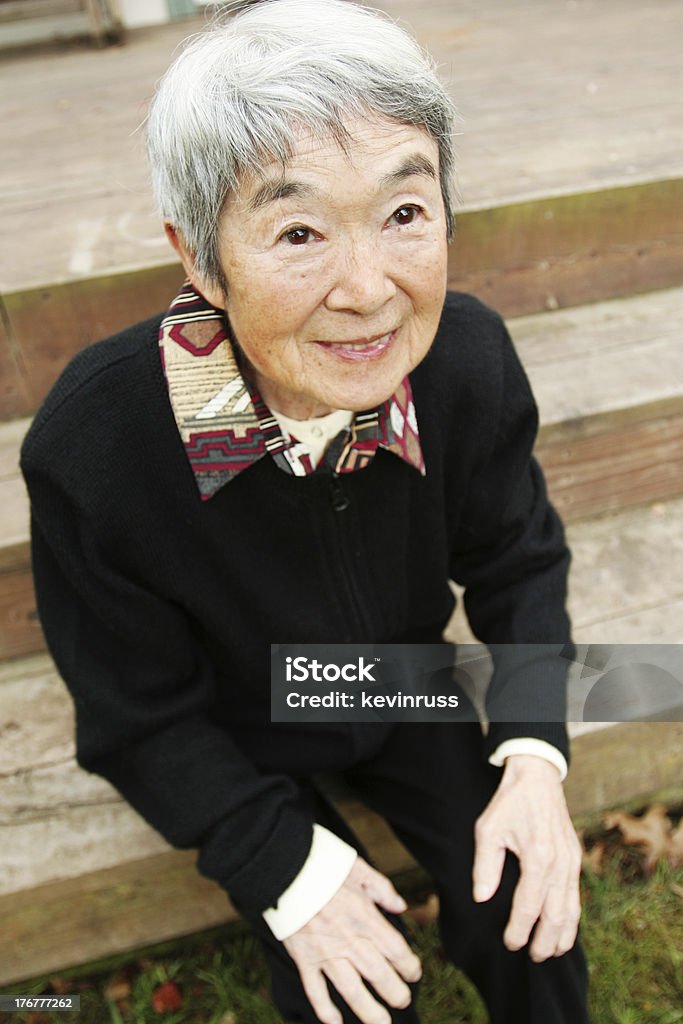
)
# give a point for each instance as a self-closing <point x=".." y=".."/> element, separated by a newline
<point x="338" y="497"/>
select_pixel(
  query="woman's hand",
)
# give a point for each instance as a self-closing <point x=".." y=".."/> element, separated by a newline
<point x="350" y="940"/>
<point x="528" y="815"/>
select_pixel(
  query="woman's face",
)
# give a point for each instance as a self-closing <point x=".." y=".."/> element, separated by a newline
<point x="336" y="268"/>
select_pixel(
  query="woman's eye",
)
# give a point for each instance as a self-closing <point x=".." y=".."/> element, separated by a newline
<point x="405" y="215"/>
<point x="297" y="236"/>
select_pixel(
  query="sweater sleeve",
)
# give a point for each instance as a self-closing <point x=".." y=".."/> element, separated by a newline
<point x="142" y="689"/>
<point x="510" y="555"/>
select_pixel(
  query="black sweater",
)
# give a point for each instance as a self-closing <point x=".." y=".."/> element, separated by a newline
<point x="159" y="608"/>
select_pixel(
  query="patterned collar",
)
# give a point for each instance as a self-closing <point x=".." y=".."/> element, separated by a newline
<point x="226" y="426"/>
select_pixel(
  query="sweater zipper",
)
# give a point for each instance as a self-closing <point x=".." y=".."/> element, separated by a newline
<point x="340" y="502"/>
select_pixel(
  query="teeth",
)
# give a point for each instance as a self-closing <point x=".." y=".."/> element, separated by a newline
<point x="361" y="345"/>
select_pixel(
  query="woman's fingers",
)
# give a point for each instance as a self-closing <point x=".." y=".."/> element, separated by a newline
<point x="388" y="940"/>
<point x="350" y="987"/>
<point x="396" y="951"/>
<point x="378" y="887"/>
<point x="318" y="996"/>
<point x="381" y="974"/>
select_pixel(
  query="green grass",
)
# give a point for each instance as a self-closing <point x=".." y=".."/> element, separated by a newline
<point x="633" y="933"/>
<point x="632" y="930"/>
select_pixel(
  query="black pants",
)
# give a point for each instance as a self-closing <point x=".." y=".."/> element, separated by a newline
<point x="430" y="782"/>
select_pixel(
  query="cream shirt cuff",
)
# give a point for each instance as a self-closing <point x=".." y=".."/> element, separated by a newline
<point x="529" y="745"/>
<point x="324" y="872"/>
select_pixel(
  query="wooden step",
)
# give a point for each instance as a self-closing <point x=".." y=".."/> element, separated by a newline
<point x="609" y="383"/>
<point x="570" y="175"/>
<point x="626" y="578"/>
<point x="608" y="379"/>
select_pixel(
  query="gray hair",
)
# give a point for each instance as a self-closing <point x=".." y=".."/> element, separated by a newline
<point x="232" y="97"/>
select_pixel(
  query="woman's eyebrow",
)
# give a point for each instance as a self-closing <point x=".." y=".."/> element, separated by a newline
<point x="417" y="163"/>
<point x="271" y="191"/>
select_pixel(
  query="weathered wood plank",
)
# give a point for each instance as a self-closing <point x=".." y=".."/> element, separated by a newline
<point x="20" y="630"/>
<point x="11" y="436"/>
<point x="57" y="821"/>
<point x="36" y="716"/>
<point x="660" y="624"/>
<point x="51" y="324"/>
<point x="108" y="911"/>
<point x="624" y="565"/>
<point x="570" y="250"/>
<point x="657" y="624"/>
<point x="624" y="465"/>
<point x="618" y="764"/>
<point x="14" y="517"/>
<point x="15" y="399"/>
<point x="604" y="358"/>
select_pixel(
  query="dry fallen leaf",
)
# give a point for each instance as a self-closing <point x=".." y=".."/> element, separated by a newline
<point x="652" y="832"/>
<point x="117" y="989"/>
<point x="675" y="854"/>
<point x="677" y="889"/>
<point x="166" y="997"/>
<point x="424" y="913"/>
<point x="228" y="1018"/>
<point x="593" y="859"/>
<point x="61" y="986"/>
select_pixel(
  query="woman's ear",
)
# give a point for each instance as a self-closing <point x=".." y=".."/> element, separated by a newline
<point x="212" y="292"/>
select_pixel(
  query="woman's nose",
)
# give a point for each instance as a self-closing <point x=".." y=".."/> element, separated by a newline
<point x="362" y="282"/>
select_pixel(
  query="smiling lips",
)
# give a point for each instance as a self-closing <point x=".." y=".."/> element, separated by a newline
<point x="362" y="349"/>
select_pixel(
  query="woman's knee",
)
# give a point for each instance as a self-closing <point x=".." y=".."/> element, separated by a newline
<point x="467" y="925"/>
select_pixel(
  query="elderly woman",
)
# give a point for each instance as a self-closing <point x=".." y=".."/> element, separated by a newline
<point x="307" y="446"/>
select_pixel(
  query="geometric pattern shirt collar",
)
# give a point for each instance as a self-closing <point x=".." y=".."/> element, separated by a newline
<point x="225" y="425"/>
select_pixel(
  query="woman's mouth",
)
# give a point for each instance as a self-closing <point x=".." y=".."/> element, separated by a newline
<point x="361" y="349"/>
